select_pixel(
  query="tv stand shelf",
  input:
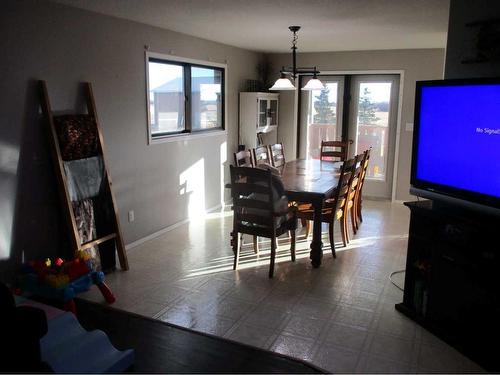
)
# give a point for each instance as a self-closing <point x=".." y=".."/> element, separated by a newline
<point x="452" y="283"/>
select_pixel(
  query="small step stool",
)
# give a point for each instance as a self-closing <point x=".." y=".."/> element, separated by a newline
<point x="69" y="348"/>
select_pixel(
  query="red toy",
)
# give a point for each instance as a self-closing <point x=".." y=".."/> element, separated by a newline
<point x="63" y="280"/>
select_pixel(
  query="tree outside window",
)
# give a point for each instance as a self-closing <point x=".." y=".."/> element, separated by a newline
<point x="366" y="109"/>
<point x="324" y="108"/>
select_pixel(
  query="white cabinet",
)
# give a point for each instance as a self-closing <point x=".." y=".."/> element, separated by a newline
<point x="258" y="114"/>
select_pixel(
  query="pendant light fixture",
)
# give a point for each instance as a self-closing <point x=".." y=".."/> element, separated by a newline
<point x="288" y="75"/>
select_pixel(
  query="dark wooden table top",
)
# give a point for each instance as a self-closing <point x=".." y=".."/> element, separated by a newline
<point x="310" y="177"/>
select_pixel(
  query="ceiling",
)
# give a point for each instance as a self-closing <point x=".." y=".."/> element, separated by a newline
<point x="262" y="25"/>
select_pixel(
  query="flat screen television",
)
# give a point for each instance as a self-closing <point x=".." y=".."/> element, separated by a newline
<point x="456" y="143"/>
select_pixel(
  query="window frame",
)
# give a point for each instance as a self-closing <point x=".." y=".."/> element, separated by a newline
<point x="186" y="64"/>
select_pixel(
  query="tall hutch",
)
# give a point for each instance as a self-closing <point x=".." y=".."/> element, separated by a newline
<point x="258" y="118"/>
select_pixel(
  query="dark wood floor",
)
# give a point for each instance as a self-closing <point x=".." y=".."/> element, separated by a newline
<point x="161" y="347"/>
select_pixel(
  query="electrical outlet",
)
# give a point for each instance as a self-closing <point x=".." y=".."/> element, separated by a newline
<point x="131" y="216"/>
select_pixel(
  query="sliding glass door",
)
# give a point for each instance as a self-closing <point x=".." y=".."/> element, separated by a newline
<point x="321" y="114"/>
<point x="367" y="118"/>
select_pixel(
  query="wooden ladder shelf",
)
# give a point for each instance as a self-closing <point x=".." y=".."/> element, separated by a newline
<point x="75" y="241"/>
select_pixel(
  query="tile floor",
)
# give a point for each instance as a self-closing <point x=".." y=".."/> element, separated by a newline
<point x="340" y="317"/>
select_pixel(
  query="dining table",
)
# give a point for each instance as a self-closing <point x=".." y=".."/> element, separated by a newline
<point x="311" y="181"/>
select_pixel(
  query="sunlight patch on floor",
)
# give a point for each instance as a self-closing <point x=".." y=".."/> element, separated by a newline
<point x="249" y="259"/>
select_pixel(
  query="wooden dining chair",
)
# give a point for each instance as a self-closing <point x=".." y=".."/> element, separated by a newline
<point x="334" y="150"/>
<point x="349" y="208"/>
<point x="277" y="154"/>
<point x="243" y="159"/>
<point x="359" y="194"/>
<point x="334" y="208"/>
<point x="260" y="209"/>
<point x="261" y="155"/>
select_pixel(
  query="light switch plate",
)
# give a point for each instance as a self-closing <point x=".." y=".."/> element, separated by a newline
<point x="409" y="126"/>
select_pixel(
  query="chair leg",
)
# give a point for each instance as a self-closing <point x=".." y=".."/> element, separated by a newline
<point x="308" y="228"/>
<point x="332" y="241"/>
<point x="306" y="224"/>
<point x="360" y="211"/>
<point x="342" y="231"/>
<point x="273" y="256"/>
<point x="355" y="214"/>
<point x="346" y="228"/>
<point x="292" y="244"/>
<point x="256" y="244"/>
<point x="352" y="211"/>
<point x="235" y="242"/>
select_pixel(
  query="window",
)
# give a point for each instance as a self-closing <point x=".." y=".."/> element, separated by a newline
<point x="183" y="97"/>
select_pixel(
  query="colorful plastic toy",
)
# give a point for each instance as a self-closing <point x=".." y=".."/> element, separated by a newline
<point x="60" y="280"/>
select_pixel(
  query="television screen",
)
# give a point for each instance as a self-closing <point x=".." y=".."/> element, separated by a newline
<point x="457" y="139"/>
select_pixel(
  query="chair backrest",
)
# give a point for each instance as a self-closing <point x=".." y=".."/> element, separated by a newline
<point x="261" y="155"/>
<point x="334" y="150"/>
<point x="277" y="155"/>
<point x="343" y="184"/>
<point x="243" y="159"/>
<point x="252" y="194"/>
<point x="364" y="171"/>
<point x="355" y="176"/>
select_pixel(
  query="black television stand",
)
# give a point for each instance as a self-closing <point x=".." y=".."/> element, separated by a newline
<point x="452" y="281"/>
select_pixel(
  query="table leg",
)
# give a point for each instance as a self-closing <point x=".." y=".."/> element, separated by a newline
<point x="316" y="244"/>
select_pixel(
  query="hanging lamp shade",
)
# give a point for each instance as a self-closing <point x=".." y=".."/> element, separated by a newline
<point x="313" y="84"/>
<point x="283" y="84"/>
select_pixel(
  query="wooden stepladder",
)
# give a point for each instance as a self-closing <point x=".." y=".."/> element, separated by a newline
<point x="114" y="234"/>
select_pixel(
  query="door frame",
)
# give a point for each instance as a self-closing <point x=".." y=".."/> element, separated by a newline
<point x="401" y="74"/>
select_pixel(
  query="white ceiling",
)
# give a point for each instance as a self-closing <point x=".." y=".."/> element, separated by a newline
<point x="262" y="25"/>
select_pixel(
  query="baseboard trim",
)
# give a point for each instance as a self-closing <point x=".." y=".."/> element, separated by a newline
<point x="378" y="199"/>
<point x="130" y="246"/>
<point x="399" y="201"/>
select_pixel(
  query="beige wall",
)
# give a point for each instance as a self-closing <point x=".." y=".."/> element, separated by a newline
<point x="63" y="45"/>
<point x="462" y="39"/>
<point x="418" y="64"/>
